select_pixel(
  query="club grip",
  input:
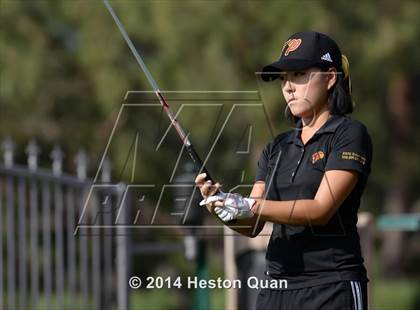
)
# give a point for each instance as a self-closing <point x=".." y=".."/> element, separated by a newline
<point x="198" y="163"/>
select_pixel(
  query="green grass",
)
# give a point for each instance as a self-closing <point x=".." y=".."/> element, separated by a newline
<point x="159" y="299"/>
<point x="392" y="293"/>
<point x="155" y="299"/>
<point x="395" y="294"/>
<point x="217" y="299"/>
<point x="76" y="302"/>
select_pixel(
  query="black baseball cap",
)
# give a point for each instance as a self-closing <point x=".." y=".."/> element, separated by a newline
<point x="304" y="50"/>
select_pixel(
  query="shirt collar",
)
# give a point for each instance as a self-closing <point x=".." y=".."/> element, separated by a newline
<point x="330" y="126"/>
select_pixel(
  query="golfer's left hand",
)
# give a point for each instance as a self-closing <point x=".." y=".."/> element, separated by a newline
<point x="230" y="206"/>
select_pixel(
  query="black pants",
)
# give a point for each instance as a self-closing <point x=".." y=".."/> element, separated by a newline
<point x="348" y="295"/>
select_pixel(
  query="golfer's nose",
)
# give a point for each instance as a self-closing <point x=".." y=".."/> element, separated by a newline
<point x="288" y="86"/>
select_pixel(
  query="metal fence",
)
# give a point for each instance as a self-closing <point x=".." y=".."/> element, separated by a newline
<point x="43" y="263"/>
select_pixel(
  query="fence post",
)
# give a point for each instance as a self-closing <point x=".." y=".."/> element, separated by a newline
<point x="8" y="148"/>
<point x="34" y="226"/>
<point x="230" y="267"/>
<point x="81" y="168"/>
<point x="57" y="158"/>
<point x="1" y="246"/>
<point x="10" y="218"/>
<point x="23" y="288"/>
<point x="122" y="259"/>
<point x="108" y="233"/>
<point x="71" y="273"/>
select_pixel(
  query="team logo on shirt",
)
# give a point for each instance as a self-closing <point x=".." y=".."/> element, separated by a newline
<point x="292" y="45"/>
<point x="317" y="156"/>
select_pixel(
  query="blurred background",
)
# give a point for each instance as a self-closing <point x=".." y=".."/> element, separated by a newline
<point x="80" y="130"/>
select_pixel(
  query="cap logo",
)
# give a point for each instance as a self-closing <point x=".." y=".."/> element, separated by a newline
<point x="326" y="57"/>
<point x="292" y="45"/>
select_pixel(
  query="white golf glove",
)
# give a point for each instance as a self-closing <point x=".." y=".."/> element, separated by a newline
<point x="234" y="207"/>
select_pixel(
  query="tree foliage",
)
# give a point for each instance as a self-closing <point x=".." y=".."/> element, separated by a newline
<point x="65" y="67"/>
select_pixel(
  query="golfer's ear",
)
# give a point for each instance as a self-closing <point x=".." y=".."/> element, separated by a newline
<point x="332" y="77"/>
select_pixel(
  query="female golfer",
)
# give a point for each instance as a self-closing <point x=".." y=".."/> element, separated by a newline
<point x="309" y="182"/>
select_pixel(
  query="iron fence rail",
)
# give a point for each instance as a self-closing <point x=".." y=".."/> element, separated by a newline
<point x="43" y="264"/>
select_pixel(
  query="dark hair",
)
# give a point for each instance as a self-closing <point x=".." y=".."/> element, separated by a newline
<point x="340" y="101"/>
<point x="339" y="96"/>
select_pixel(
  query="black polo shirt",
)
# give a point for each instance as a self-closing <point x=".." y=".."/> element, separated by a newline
<point x="313" y="255"/>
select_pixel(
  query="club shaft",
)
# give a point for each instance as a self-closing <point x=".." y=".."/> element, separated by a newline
<point x="131" y="46"/>
<point x="184" y="137"/>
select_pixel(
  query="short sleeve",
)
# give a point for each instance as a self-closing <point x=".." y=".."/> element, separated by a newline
<point x="262" y="165"/>
<point x="351" y="149"/>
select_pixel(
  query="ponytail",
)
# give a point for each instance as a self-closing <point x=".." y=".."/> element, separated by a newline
<point x="339" y="96"/>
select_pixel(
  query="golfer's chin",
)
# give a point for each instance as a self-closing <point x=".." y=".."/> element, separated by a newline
<point x="300" y="112"/>
<point x="300" y="108"/>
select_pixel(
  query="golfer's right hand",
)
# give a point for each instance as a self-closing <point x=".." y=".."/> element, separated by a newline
<point x="207" y="188"/>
